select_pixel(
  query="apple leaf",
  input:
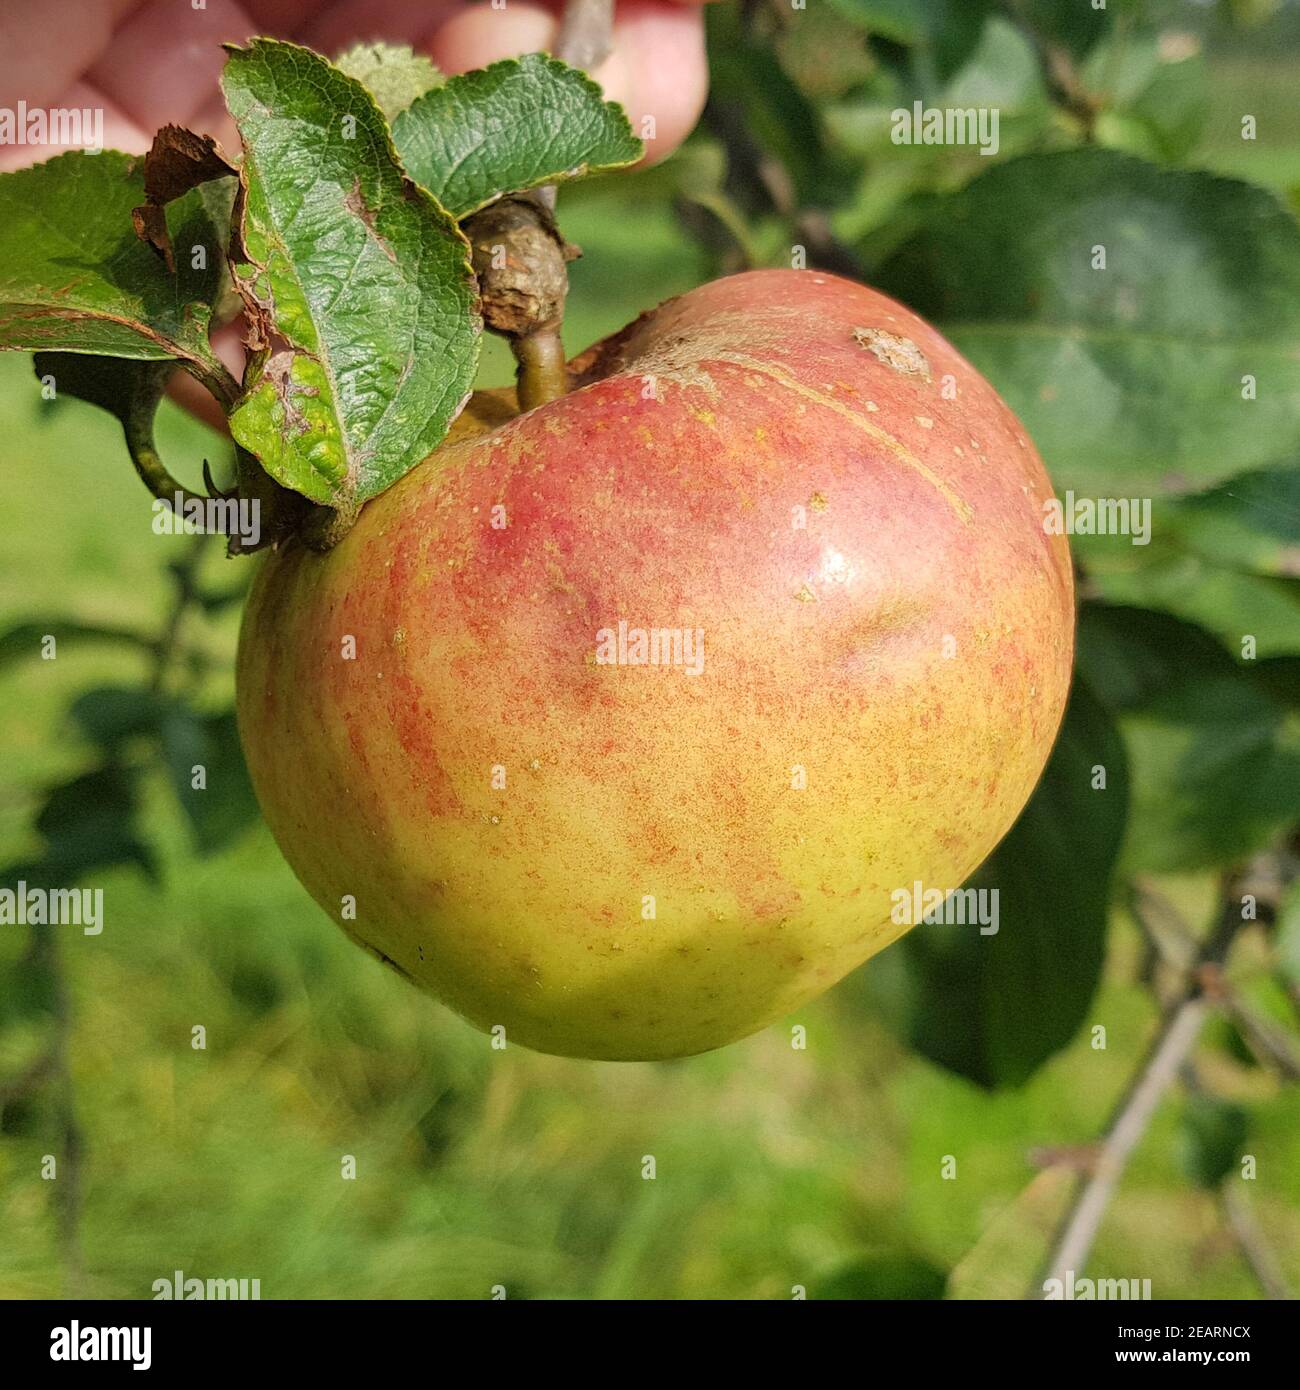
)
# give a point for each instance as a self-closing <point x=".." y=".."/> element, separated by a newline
<point x="75" y="278"/>
<point x="394" y="74"/>
<point x="518" y="124"/>
<point x="1074" y="26"/>
<point x="361" y="300"/>
<point x="115" y="384"/>
<point x="900" y="21"/>
<point x="1227" y="559"/>
<point x="1126" y="312"/>
<point x="219" y="810"/>
<point x="89" y="823"/>
<point x="1252" y="522"/>
<point x="1214" y="755"/>
<point x="178" y="160"/>
<point x="1229" y="602"/>
<point x="27" y="640"/>
<point x="994" y="1008"/>
<point x="1212" y="1137"/>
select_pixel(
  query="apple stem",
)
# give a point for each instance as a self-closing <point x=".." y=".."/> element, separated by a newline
<point x="528" y="307"/>
<point x="541" y="376"/>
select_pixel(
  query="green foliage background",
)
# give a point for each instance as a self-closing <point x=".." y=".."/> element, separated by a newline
<point x="776" y="1167"/>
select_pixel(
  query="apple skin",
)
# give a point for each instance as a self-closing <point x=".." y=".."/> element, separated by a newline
<point x="774" y="459"/>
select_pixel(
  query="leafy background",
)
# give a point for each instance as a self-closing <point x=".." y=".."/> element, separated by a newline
<point x="776" y="1167"/>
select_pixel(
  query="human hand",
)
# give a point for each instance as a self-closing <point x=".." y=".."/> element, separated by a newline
<point x="145" y="63"/>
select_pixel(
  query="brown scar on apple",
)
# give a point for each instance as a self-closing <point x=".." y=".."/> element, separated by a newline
<point x="961" y="508"/>
<point x="902" y="354"/>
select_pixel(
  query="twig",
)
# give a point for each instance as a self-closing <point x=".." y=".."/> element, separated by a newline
<point x="1158" y="1071"/>
<point x="1060" y="75"/>
<point x="1176" y="946"/>
<point x="1241" y="1221"/>
<point x="759" y="183"/>
<point x="1159" y="1068"/>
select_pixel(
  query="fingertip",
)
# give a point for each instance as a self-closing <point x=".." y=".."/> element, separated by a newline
<point x="477" y="35"/>
<point x="667" y="74"/>
<point x="657" y="68"/>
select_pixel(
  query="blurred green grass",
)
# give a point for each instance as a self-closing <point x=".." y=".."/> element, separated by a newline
<point x="775" y="1167"/>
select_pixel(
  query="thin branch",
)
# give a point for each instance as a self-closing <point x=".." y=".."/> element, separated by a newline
<point x="1241" y="1221"/>
<point x="1159" y="1068"/>
<point x="520" y="257"/>
<point x="1176" y="947"/>
<point x="1170" y="1049"/>
<point x="1060" y="75"/>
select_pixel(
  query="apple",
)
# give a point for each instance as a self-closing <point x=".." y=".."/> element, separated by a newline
<point x="618" y="724"/>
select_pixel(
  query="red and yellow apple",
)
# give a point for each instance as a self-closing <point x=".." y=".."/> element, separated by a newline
<point x="468" y="767"/>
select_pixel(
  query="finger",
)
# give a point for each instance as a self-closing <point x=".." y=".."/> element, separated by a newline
<point x="42" y="56"/>
<point x="341" y="25"/>
<point x="119" y="131"/>
<point x="282" y="16"/>
<point x="656" y="68"/>
<point x="164" y="63"/>
<point x="665" y="71"/>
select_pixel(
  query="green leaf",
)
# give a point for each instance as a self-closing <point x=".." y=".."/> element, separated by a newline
<point x="394" y="74"/>
<point x="1075" y="25"/>
<point x="1128" y="378"/>
<point x="1168" y="110"/>
<point x="1211" y="1140"/>
<point x="74" y="276"/>
<point x="110" y="715"/>
<point x="902" y="21"/>
<point x="762" y="113"/>
<point x="89" y="823"/>
<point x="1214" y="758"/>
<point x="1252" y="522"/>
<point x="27" y="639"/>
<point x="1227" y="559"/>
<point x="945" y="31"/>
<point x="1228" y="602"/>
<point x="1280" y="676"/>
<point x="361" y="298"/>
<point x="883" y="1277"/>
<point x="129" y="390"/>
<point x="994" y="1008"/>
<point x="221" y="809"/>
<point x="112" y="383"/>
<point x="515" y="125"/>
